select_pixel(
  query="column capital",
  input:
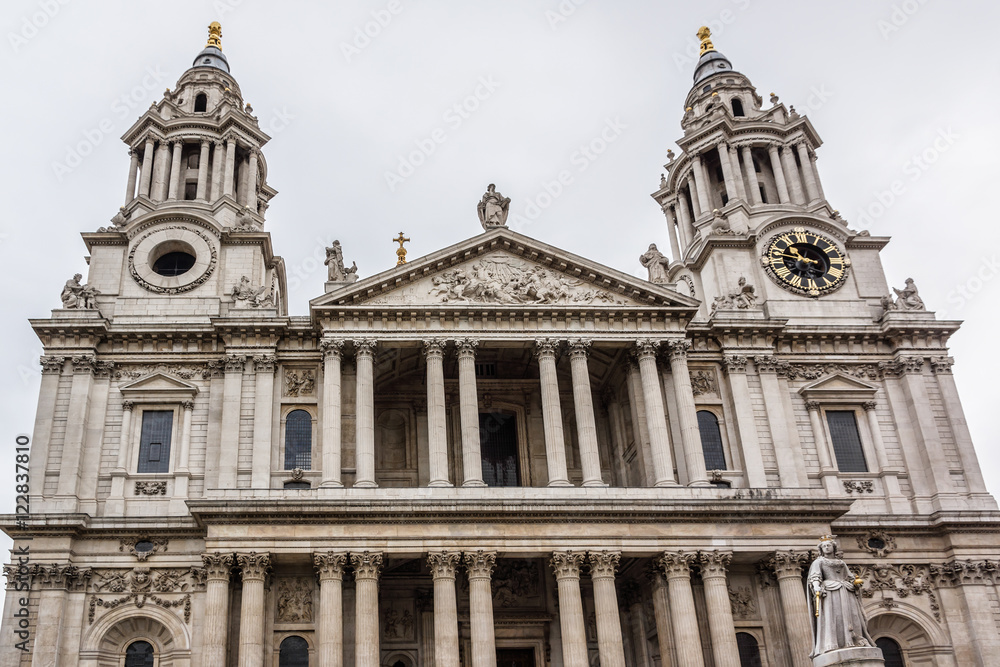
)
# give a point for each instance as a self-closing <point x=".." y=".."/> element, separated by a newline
<point x="734" y="363"/>
<point x="84" y="364"/>
<point x="813" y="406"/>
<point x="128" y="406"/>
<point x="234" y="363"/>
<point x="714" y="563"/>
<point x="911" y="365"/>
<point x="942" y="365"/>
<point x="566" y="564"/>
<point x="218" y="143"/>
<point x="51" y="365"/>
<point x="217" y="566"/>
<point x="365" y="347"/>
<point x="676" y="564"/>
<point x="331" y="347"/>
<point x="769" y="364"/>
<point x="443" y="563"/>
<point x="480" y="564"/>
<point x="330" y="565"/>
<point x="264" y="363"/>
<point x="254" y="566"/>
<point x="434" y="347"/>
<point x="869" y="406"/>
<point x="367" y="565"/>
<point x="603" y="564"/>
<point x="679" y="349"/>
<point x="645" y="348"/>
<point x="466" y="347"/>
<point x="204" y="141"/>
<point x="787" y="564"/>
<point x="546" y="347"/>
<point x="579" y="347"/>
<point x="188" y="406"/>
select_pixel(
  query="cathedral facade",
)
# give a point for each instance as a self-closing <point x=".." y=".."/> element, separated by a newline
<point x="500" y="454"/>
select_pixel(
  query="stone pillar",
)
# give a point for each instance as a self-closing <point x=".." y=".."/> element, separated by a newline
<point x="734" y="159"/>
<point x="787" y="565"/>
<point x="640" y="425"/>
<point x="694" y="457"/>
<point x="603" y="566"/>
<point x="695" y="198"/>
<point x="255" y="568"/>
<point x="367" y="567"/>
<point x="684" y="227"/>
<point x="720" y="612"/>
<point x="727" y="171"/>
<point x="779" y="174"/>
<point x="146" y="177"/>
<point x="776" y="395"/>
<point x="183" y="473"/>
<point x="941" y="366"/>
<point x="555" y="443"/>
<point x="661" y="615"/>
<point x="77" y="423"/>
<point x="792" y="174"/>
<point x="735" y="366"/>
<point x="468" y="398"/>
<point x="133" y="174"/>
<point x="751" y="172"/>
<point x="218" y="166"/>
<point x="583" y="402"/>
<point x="442" y="565"/>
<point x="656" y="419"/>
<point x="826" y="466"/>
<point x="480" y="568"/>
<point x="330" y="625"/>
<point x="251" y="194"/>
<point x="332" y="412"/>
<point x="202" y="193"/>
<point x="365" y="411"/>
<point x="683" y="618"/>
<point x="437" y="430"/>
<point x="229" y="175"/>
<point x="812" y="192"/>
<point x="215" y="626"/>
<point x="566" y="565"/>
<point x="675" y="249"/>
<point x="175" y="169"/>
<point x="160" y="169"/>
<point x="264" y="366"/>
<point x="49" y="626"/>
<point x="632" y="599"/>
<point x="702" y="185"/>
<point x="229" y="440"/>
<point x="815" y="171"/>
<point x="115" y="505"/>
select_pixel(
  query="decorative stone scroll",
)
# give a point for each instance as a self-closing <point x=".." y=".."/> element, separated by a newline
<point x="150" y="488"/>
<point x="859" y="487"/>
<point x="140" y="586"/>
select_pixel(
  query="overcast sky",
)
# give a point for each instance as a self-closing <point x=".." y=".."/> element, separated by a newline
<point x="903" y="93"/>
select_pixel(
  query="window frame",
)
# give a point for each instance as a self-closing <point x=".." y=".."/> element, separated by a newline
<point x="718" y="413"/>
<point x="139" y="638"/>
<point x="175" y="425"/>
<point x="313" y="444"/>
<point x="867" y="449"/>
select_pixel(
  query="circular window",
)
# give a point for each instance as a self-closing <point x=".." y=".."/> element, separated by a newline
<point x="172" y="259"/>
<point x="144" y="546"/>
<point x="174" y="263"/>
<point x="876" y="543"/>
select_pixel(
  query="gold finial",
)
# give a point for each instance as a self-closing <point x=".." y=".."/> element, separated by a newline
<point x="401" y="251"/>
<point x="705" y="35"/>
<point x="214" y="35"/>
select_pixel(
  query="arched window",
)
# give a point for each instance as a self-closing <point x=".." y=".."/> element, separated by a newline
<point x="749" y="650"/>
<point x="201" y="102"/>
<point x="293" y="652"/>
<point x="711" y="440"/>
<point x="298" y="440"/>
<point x="738" y="107"/>
<point x="139" y="654"/>
<point x="891" y="653"/>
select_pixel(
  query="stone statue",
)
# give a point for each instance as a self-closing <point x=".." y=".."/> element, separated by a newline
<point x="75" y="295"/>
<point x="908" y="298"/>
<point x="720" y="225"/>
<point x="744" y="298"/>
<point x="247" y="295"/>
<point x="336" y="273"/>
<point x="119" y="219"/>
<point x="493" y="208"/>
<point x="835" y="602"/>
<point x="656" y="263"/>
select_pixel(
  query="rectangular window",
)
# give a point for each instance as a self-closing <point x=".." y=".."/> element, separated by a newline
<point x="486" y="369"/>
<point x="846" y="441"/>
<point x="498" y="445"/>
<point x="154" y="443"/>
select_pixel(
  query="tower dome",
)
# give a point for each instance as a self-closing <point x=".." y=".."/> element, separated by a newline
<point x="711" y="61"/>
<point x="211" y="55"/>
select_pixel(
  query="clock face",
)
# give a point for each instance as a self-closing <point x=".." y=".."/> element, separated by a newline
<point x="805" y="262"/>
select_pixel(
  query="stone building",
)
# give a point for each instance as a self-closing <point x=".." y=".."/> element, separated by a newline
<point x="501" y="454"/>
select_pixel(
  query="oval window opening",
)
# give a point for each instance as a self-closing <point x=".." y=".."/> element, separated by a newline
<point x="174" y="263"/>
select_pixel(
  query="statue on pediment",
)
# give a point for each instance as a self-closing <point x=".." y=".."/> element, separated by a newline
<point x="493" y="208"/>
<point x="75" y="295"/>
<point x="336" y="273"/>
<point x="656" y="263"/>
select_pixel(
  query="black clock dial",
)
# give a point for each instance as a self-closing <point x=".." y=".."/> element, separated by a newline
<point x="805" y="262"/>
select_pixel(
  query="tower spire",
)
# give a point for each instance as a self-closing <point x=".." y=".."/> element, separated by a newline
<point x="215" y="35"/>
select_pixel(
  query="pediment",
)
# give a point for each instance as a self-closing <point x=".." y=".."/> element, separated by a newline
<point x="838" y="385"/>
<point x="158" y="384"/>
<point x="503" y="268"/>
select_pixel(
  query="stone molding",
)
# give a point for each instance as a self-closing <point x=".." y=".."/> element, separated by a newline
<point x="888" y="542"/>
<point x="330" y="565"/>
<point x="254" y="566"/>
<point x="264" y="363"/>
<point x="859" y="486"/>
<point x="566" y="564"/>
<point x="84" y="364"/>
<point x="679" y="349"/>
<point x="771" y="365"/>
<point x="51" y="576"/>
<point x="141" y="585"/>
<point x="367" y="565"/>
<point x="870" y="405"/>
<point x="466" y="347"/>
<point x="150" y="488"/>
<point x="942" y="365"/>
<point x="645" y="348"/>
<point x="159" y="544"/>
<point x="234" y="363"/>
<point x="603" y="564"/>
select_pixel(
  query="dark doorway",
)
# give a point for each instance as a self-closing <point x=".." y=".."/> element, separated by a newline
<point x="515" y="657"/>
<point x="498" y="445"/>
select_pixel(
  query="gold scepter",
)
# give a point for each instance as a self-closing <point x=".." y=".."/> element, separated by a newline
<point x="817" y="604"/>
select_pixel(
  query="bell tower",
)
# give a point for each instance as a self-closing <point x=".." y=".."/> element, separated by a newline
<point x="189" y="242"/>
<point x="744" y="200"/>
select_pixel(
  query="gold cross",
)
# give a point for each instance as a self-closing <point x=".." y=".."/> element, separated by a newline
<point x="401" y="251"/>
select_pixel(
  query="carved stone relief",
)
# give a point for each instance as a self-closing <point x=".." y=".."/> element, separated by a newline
<point x="300" y="382"/>
<point x="397" y="622"/>
<point x="150" y="488"/>
<point x="141" y="585"/>
<point x="703" y="382"/>
<point x="295" y="600"/>
<point x="742" y="602"/>
<point x="877" y="542"/>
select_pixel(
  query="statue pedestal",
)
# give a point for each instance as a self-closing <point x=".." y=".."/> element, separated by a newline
<point x="334" y="285"/>
<point x="858" y="656"/>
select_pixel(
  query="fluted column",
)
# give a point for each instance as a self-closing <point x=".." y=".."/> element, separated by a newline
<point x="734" y="159"/>
<point x="720" y="612"/>
<point x="779" y="174"/>
<point x="442" y="566"/>
<point x="229" y="438"/>
<point x="727" y="171"/>
<point x="365" y="413"/>
<point x="218" y="166"/>
<point x="264" y="367"/>
<point x="603" y="566"/>
<point x="202" y="193"/>
<point x="566" y="565"/>
<point x="684" y="226"/>
<point x="661" y="615"/>
<point x="675" y="249"/>
<point x="683" y="618"/>
<point x="696" y="208"/>
<point x="735" y="367"/>
<point x="216" y="620"/>
<point x="751" y="172"/>
<point x="133" y="174"/>
<point x="437" y="431"/>
<point x="815" y="171"/>
<point x="702" y="185"/>
<point x="555" y="442"/>
<point x="812" y="192"/>
<point x="792" y="174"/>
<point x="175" y="168"/>
<point x="787" y="565"/>
<point x="332" y="412"/>
<point x="229" y="175"/>
<point x="330" y="625"/>
<point x="160" y="168"/>
<point x="146" y="178"/>
<point x="77" y="426"/>
<point x="480" y="568"/>
<point x="254" y="568"/>
<point x="583" y="403"/>
<point x="367" y="567"/>
<point x="694" y="457"/>
<point x="251" y="196"/>
<point x="468" y="399"/>
<point x="656" y="418"/>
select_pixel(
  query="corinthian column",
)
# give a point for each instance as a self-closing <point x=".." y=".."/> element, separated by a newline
<point x="332" y="412"/>
<point x="365" y="414"/>
<point x="228" y="176"/>
<point x="720" y="610"/>
<point x="468" y="400"/>
<point x="683" y="618"/>
<point x="480" y="568"/>
<point x="330" y="628"/>
<point x="574" y="630"/>
<point x="701" y="185"/>
<point x="603" y="566"/>
<point x="175" y="169"/>
<point x="751" y="174"/>
<point x="555" y="443"/>
<point x="694" y="457"/>
<point x="787" y="565"/>
<point x="656" y="418"/>
<point x="442" y="567"/>
<point x="216" y="623"/>
<point x="133" y="174"/>
<point x="583" y="402"/>
<point x="779" y="174"/>
<point x="367" y="567"/>
<point x="201" y="194"/>
<point x="437" y="431"/>
<point x="255" y="568"/>
<point x="146" y="176"/>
